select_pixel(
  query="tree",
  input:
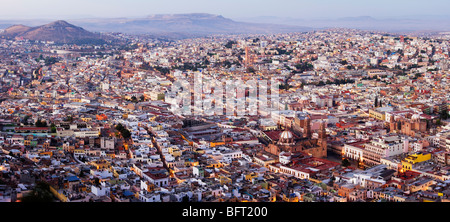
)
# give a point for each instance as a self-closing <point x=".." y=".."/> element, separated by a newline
<point x="40" y="193"/>
<point x="124" y="131"/>
<point x="321" y="83"/>
<point x="25" y="119"/>
<point x="40" y="123"/>
<point x="250" y="70"/>
<point x="119" y="127"/>
<point x="331" y="181"/>
<point x="346" y="162"/>
<point x="444" y="114"/>
<point x="126" y="134"/>
<point x="53" y="128"/>
<point x="185" y="199"/>
<point x="230" y="44"/>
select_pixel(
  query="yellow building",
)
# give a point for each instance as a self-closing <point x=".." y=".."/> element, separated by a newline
<point x="49" y="153"/>
<point x="377" y="115"/>
<point x="250" y="176"/>
<point x="86" y="119"/>
<point x="111" y="155"/>
<point x="215" y="164"/>
<point x="213" y="144"/>
<point x="190" y="163"/>
<point x="408" y="162"/>
<point x="224" y="180"/>
<point x="100" y="164"/>
<point x="79" y="151"/>
<point x="174" y="151"/>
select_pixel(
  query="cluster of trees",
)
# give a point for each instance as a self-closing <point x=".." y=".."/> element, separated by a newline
<point x="40" y="193"/>
<point x="126" y="134"/>
<point x="304" y="66"/>
<point x="378" y="103"/>
<point x="230" y="44"/>
<point x="40" y="123"/>
<point x="334" y="82"/>
<point x="191" y="66"/>
<point x="283" y="51"/>
<point x="135" y="100"/>
<point x="48" y="60"/>
<point x="444" y="114"/>
<point x="89" y="41"/>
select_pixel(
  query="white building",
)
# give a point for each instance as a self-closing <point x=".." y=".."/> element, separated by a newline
<point x="102" y="190"/>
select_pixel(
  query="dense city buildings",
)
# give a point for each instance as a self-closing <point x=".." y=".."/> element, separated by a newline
<point x="357" y="116"/>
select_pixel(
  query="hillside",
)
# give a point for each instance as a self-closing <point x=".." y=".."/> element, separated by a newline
<point x="194" y="24"/>
<point x="58" y="31"/>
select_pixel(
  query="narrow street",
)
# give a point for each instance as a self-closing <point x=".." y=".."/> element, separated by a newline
<point x="159" y="151"/>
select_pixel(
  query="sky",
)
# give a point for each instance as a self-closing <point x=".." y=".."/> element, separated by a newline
<point x="303" y="9"/>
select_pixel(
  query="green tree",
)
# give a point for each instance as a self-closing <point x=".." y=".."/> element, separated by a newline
<point x="53" y="128"/>
<point x="40" y="123"/>
<point x="346" y="162"/>
<point x="331" y="181"/>
<point x="230" y="44"/>
<point x="119" y="127"/>
<point x="126" y="134"/>
<point x="444" y="114"/>
<point x="40" y="193"/>
<point x="25" y="119"/>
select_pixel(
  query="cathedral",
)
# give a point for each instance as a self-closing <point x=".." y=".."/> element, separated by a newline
<point x="410" y="125"/>
<point x="298" y="138"/>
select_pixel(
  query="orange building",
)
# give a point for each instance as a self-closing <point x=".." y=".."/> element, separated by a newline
<point x="101" y="117"/>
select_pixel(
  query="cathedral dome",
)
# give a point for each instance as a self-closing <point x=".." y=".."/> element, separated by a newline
<point x="286" y="135"/>
<point x="286" y="138"/>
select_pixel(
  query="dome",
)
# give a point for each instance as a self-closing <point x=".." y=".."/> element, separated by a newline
<point x="286" y="135"/>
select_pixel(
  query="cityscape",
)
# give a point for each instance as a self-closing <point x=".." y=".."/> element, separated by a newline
<point x="335" y="114"/>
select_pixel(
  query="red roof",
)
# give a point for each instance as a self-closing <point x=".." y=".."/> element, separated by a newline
<point x="32" y="128"/>
<point x="274" y="135"/>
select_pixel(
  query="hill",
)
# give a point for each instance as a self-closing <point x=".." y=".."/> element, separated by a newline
<point x="58" y="31"/>
<point x="194" y="24"/>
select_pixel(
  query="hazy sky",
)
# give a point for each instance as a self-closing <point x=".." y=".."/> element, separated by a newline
<point x="69" y="9"/>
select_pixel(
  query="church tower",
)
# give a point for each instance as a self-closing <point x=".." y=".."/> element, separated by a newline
<point x="307" y="127"/>
<point x="322" y="140"/>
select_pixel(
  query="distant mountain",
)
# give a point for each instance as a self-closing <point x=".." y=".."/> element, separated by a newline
<point x="58" y="31"/>
<point x="195" y="24"/>
<point x="15" y="30"/>
<point x="357" y="19"/>
<point x="402" y="24"/>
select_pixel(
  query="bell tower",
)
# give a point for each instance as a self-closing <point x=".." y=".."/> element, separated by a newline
<point x="322" y="140"/>
<point x="307" y="127"/>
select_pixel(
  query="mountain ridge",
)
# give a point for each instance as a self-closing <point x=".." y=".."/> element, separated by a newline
<point x="197" y="24"/>
<point x="58" y="31"/>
